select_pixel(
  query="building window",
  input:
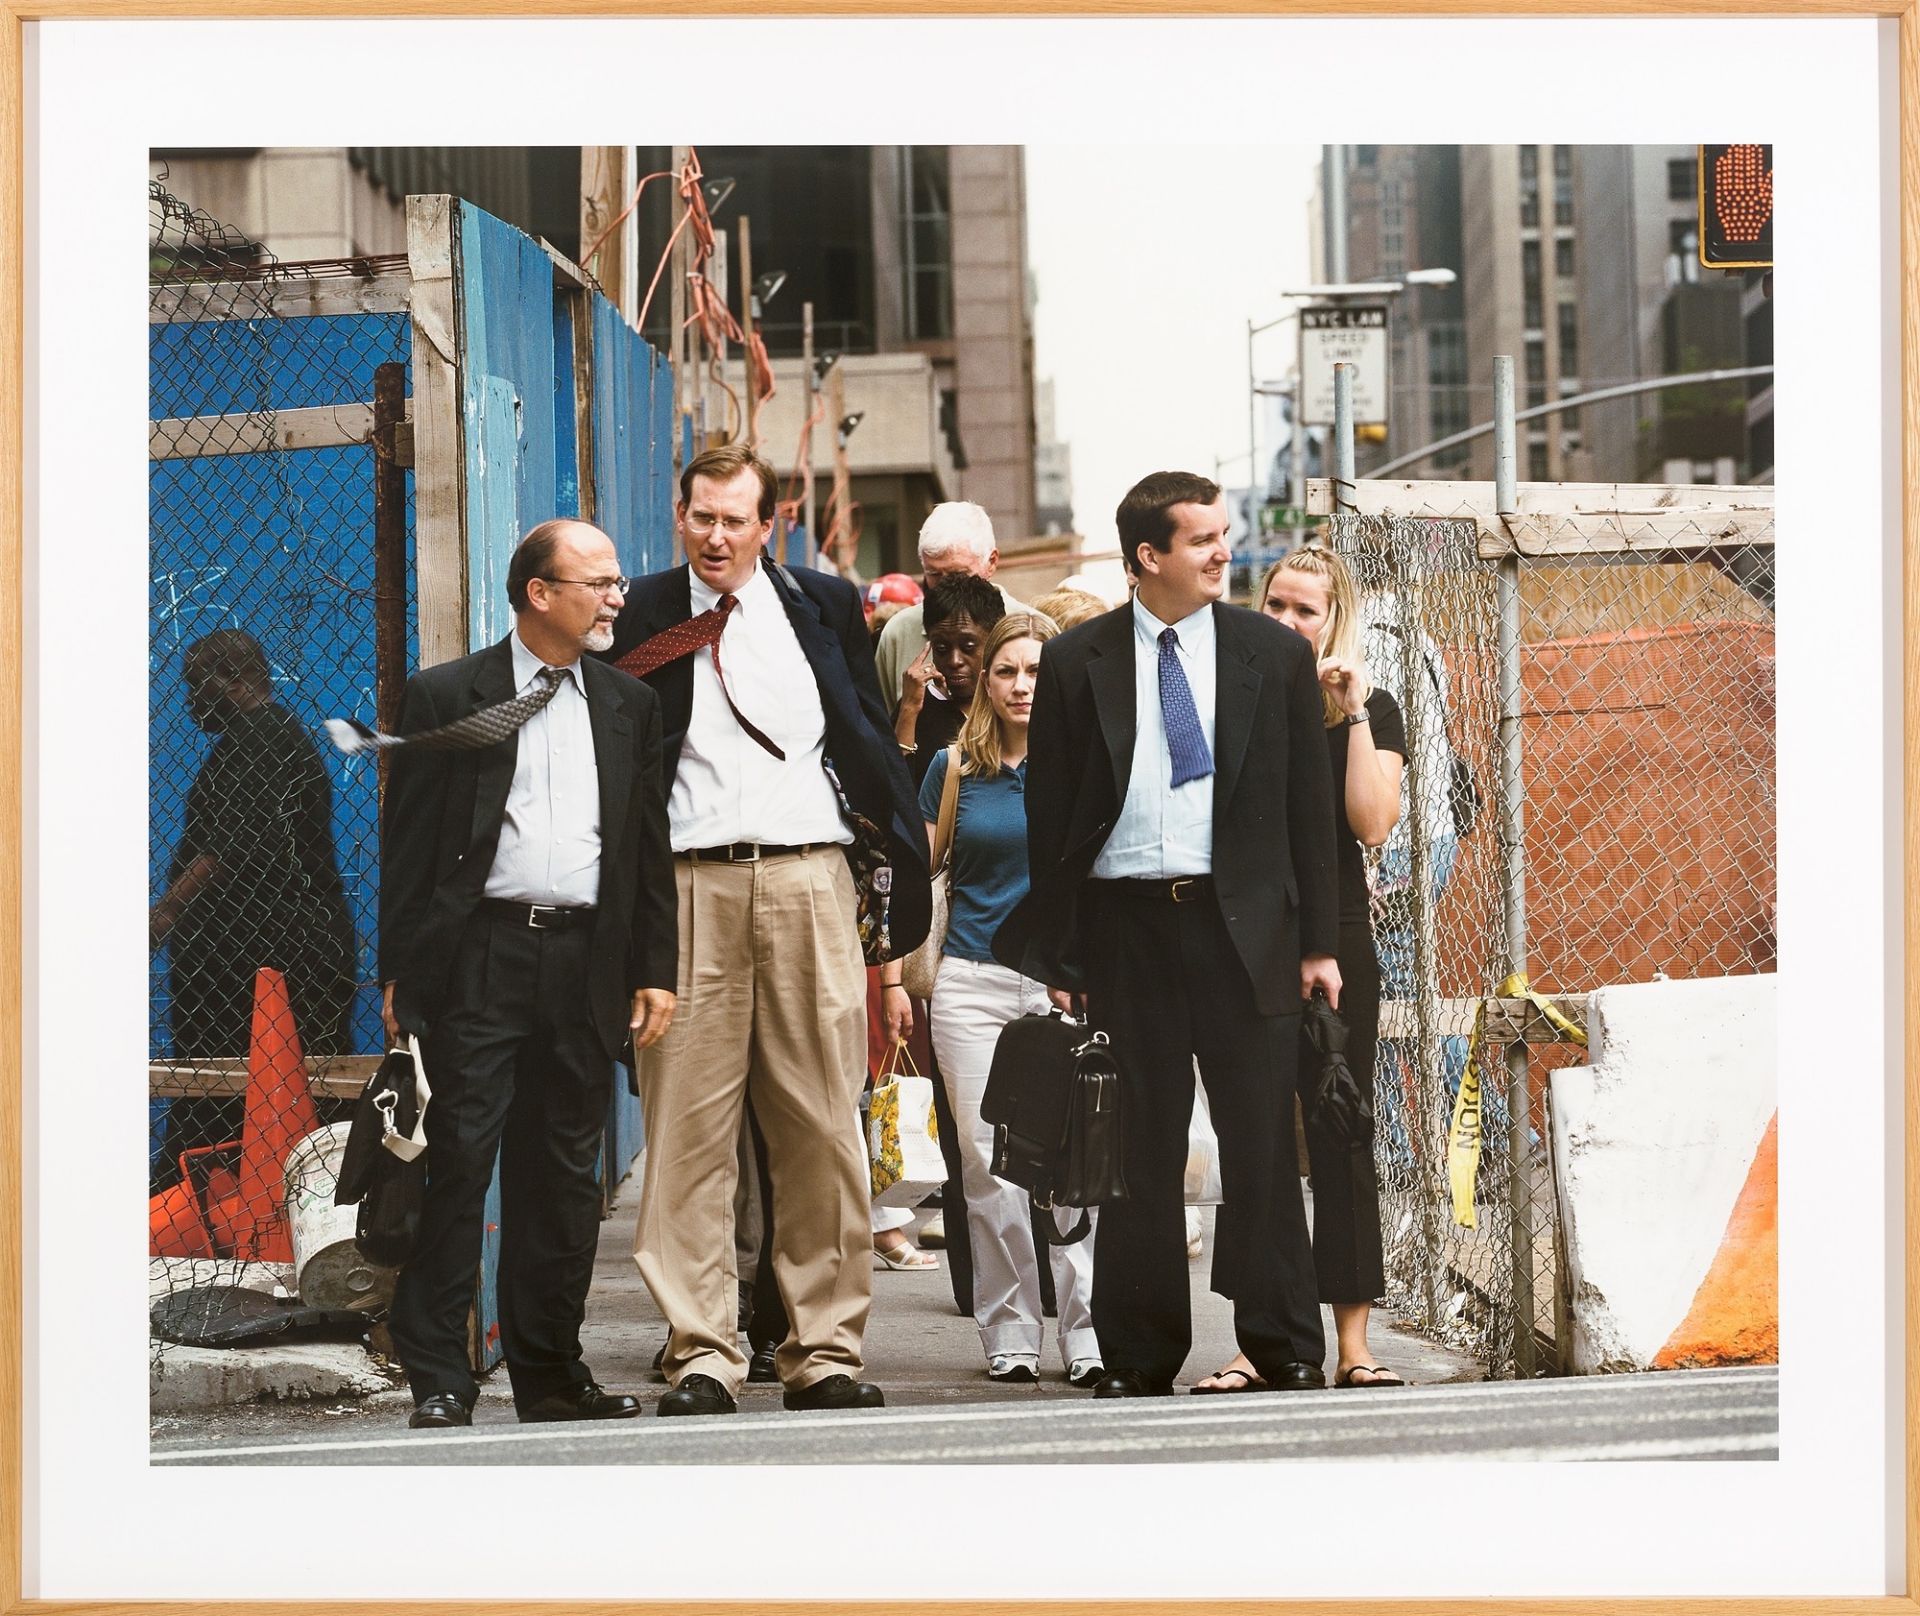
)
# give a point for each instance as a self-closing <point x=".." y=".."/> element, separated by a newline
<point x="1536" y="372"/>
<point x="1569" y="340"/>
<point x="1563" y="162"/>
<point x="1680" y="179"/>
<point x="1683" y="251"/>
<point x="1530" y="282"/>
<point x="1536" y="462"/>
<point x="926" y="247"/>
<point x="1563" y="258"/>
<point x="1529" y="162"/>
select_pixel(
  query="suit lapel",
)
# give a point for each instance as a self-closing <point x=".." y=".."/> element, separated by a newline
<point x="821" y="648"/>
<point x="493" y="778"/>
<point x="1110" y="673"/>
<point x="1236" y="695"/>
<point x="612" y="754"/>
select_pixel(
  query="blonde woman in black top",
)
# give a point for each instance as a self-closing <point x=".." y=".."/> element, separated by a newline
<point x="1312" y="592"/>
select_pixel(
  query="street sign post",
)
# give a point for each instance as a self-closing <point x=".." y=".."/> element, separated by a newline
<point x="1349" y="333"/>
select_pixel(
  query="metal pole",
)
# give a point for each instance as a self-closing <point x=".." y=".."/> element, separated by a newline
<point x="1423" y="753"/>
<point x="1253" y="434"/>
<point x="1343" y="436"/>
<point x="813" y="390"/>
<point x="1513" y="866"/>
<point x="1650" y="384"/>
<point x="1337" y="214"/>
<point x="1297" y="492"/>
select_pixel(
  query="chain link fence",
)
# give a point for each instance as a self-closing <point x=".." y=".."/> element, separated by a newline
<point x="1643" y="668"/>
<point x="280" y="552"/>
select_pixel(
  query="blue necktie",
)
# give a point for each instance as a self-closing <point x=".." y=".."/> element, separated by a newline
<point x="1186" y="741"/>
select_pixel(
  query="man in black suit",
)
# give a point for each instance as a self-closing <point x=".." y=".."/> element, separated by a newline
<point x="527" y="934"/>
<point x="765" y="678"/>
<point x="1180" y="842"/>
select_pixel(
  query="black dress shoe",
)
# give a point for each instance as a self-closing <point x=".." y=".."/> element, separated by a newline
<point x="837" y="1391"/>
<point x="583" y="1402"/>
<point x="760" y="1369"/>
<point x="698" y="1394"/>
<point x="1127" y="1383"/>
<point x="438" y="1412"/>
<point x="1298" y="1377"/>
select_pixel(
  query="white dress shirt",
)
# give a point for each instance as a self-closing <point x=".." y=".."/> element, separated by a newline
<point x="1163" y="831"/>
<point x="728" y="787"/>
<point x="549" y="849"/>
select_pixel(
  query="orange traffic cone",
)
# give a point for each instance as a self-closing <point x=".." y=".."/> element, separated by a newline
<point x="251" y="1222"/>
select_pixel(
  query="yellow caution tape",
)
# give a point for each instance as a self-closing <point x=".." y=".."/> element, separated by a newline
<point x="1463" y="1137"/>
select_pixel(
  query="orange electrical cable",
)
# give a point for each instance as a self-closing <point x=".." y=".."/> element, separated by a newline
<point x="586" y="261"/>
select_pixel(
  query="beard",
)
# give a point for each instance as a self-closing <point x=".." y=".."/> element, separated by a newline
<point x="599" y="637"/>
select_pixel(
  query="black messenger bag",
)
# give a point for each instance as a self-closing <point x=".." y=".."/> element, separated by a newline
<point x="1053" y="1097"/>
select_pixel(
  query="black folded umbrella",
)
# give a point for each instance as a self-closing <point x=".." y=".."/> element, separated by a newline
<point x="1337" y="1102"/>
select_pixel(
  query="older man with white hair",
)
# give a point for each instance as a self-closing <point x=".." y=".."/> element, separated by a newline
<point x="956" y="538"/>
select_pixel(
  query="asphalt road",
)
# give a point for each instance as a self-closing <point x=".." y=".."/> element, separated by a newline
<point x="1698" y="1414"/>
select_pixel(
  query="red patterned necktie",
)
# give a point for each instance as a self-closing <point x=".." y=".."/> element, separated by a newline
<point x="682" y="639"/>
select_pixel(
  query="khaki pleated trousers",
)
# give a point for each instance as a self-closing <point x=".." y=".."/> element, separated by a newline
<point x="772" y="1004"/>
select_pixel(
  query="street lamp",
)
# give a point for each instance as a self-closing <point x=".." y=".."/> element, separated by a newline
<point x="765" y="286"/>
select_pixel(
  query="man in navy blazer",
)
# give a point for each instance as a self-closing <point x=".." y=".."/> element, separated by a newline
<point x="767" y="683"/>
<point x="1181" y="847"/>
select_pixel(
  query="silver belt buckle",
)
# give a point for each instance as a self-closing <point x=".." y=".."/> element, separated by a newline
<point x="535" y="911"/>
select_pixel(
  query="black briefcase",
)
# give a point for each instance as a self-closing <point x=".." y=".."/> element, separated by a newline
<point x="1053" y="1097"/>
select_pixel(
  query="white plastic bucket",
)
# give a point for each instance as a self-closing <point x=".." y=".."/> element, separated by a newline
<point x="328" y="1266"/>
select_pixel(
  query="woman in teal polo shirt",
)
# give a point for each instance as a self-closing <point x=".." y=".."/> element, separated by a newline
<point x="973" y="998"/>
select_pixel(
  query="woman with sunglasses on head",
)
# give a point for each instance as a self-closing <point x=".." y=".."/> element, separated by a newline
<point x="1312" y="593"/>
<point x="974" y="997"/>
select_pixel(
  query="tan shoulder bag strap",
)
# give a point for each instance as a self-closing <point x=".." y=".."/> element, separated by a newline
<point x="949" y="811"/>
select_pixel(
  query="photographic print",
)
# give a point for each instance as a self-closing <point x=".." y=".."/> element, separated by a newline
<point x="1086" y="793"/>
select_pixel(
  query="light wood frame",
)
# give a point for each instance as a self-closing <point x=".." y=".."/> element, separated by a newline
<point x="13" y="17"/>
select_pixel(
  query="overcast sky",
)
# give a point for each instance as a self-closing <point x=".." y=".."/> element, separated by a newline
<point x="1149" y="263"/>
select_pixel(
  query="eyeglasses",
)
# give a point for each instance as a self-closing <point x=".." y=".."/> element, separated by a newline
<point x="600" y="586"/>
<point x="706" y="522"/>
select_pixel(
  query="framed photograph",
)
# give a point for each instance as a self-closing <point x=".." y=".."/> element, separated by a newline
<point x="1168" y="189"/>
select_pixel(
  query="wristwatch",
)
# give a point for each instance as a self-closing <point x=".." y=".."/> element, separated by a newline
<point x="1359" y="717"/>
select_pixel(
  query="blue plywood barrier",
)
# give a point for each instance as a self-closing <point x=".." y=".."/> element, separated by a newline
<point x="516" y="348"/>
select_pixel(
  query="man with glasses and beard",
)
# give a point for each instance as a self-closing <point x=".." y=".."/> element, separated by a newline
<point x="527" y="933"/>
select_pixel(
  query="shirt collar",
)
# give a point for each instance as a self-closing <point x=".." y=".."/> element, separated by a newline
<point x="526" y="665"/>
<point x="704" y="597"/>
<point x="1195" y="630"/>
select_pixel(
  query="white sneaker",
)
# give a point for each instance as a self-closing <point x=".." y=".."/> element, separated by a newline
<point x="1011" y="1371"/>
<point x="1085" y="1371"/>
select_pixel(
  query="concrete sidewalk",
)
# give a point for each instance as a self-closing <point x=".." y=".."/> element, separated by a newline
<point x="919" y="1349"/>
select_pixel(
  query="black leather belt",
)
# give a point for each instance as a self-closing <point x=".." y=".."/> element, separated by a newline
<point x="1167" y="889"/>
<point x="540" y="916"/>
<point x="746" y="852"/>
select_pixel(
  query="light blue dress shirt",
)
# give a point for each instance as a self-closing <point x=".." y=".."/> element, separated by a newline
<point x="1162" y="831"/>
<point x="549" y="850"/>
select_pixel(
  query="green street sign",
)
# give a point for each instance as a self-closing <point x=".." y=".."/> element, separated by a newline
<point x="1275" y="517"/>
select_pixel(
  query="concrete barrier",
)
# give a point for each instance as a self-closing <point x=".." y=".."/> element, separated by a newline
<point x="1664" y="1156"/>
